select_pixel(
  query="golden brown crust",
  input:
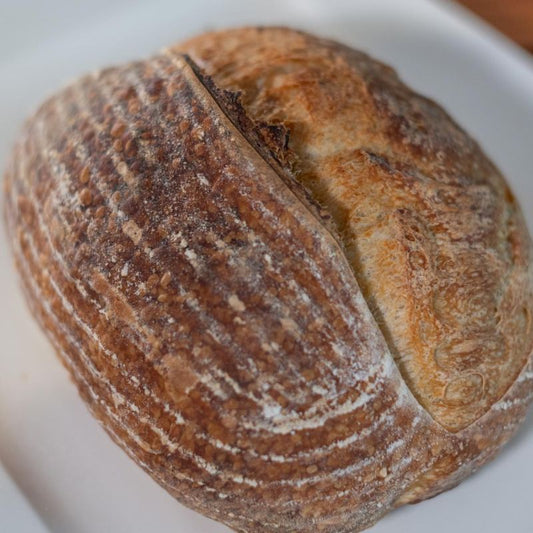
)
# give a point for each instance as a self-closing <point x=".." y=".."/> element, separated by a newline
<point x="207" y="312"/>
<point x="437" y="243"/>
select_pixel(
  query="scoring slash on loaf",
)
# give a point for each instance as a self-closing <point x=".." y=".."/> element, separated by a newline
<point x="292" y="290"/>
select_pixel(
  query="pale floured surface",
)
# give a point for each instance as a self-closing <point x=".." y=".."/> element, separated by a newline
<point x="256" y="373"/>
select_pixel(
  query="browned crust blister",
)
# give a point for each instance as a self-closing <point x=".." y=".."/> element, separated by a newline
<point x="235" y="329"/>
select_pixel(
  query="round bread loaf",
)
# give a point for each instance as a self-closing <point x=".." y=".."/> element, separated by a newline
<point x="294" y="291"/>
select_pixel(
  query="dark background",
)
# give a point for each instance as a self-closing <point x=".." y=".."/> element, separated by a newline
<point x="514" y="18"/>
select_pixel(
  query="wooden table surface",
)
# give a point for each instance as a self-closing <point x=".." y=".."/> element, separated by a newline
<point x="514" y="18"/>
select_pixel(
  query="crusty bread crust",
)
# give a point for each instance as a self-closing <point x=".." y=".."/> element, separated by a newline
<point x="287" y="338"/>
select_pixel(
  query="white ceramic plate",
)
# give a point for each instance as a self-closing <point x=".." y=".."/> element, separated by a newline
<point x="71" y="473"/>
